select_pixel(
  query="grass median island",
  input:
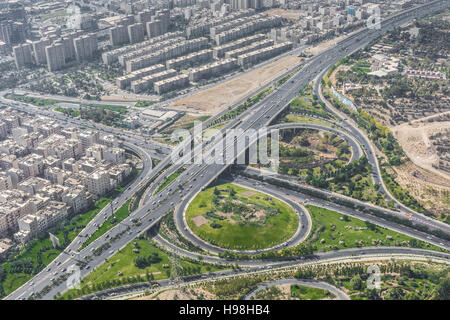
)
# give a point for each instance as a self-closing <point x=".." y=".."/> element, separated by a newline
<point x="38" y="102"/>
<point x="168" y="180"/>
<point x="139" y="261"/>
<point x="335" y="231"/>
<point x="234" y="217"/>
<point x="68" y="111"/>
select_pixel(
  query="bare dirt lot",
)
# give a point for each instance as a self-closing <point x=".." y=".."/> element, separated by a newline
<point x="286" y="14"/>
<point x="199" y="220"/>
<point x="247" y="193"/>
<point x="223" y="95"/>
<point x="324" y="45"/>
<point x="414" y="139"/>
<point x="431" y="190"/>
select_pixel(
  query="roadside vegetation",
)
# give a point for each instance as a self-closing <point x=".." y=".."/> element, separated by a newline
<point x="334" y="231"/>
<point x="38" y="102"/>
<point x="71" y="112"/>
<point x="168" y="180"/>
<point x="307" y="104"/>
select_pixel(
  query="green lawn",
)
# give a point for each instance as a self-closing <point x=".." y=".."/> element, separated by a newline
<point x="143" y="104"/>
<point x="32" y="100"/>
<point x="306" y="102"/>
<point x="257" y="220"/>
<point x="119" y="109"/>
<point x="334" y="231"/>
<point x="300" y="119"/>
<point x="120" y="269"/>
<point x="69" y="111"/>
<point x="308" y="293"/>
<point x="361" y="67"/>
<point x="119" y="215"/>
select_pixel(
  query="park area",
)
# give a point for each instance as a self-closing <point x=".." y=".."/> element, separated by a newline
<point x="233" y="217"/>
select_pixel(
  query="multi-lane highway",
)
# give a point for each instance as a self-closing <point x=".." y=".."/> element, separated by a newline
<point x="197" y="176"/>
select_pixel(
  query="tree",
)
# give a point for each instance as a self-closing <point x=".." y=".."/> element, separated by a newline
<point x="140" y="262"/>
<point x="444" y="290"/>
<point x="372" y="294"/>
<point x="216" y="191"/>
<point x="2" y="274"/>
<point x="356" y="282"/>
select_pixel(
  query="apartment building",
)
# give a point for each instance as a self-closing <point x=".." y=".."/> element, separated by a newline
<point x="166" y="53"/>
<point x="212" y="69"/>
<point x="252" y="47"/>
<point x="190" y="59"/>
<point x="254" y="57"/>
<point x="112" y="56"/>
<point x="220" y="51"/>
<point x="147" y="82"/>
<point x="22" y="55"/>
<point x="98" y="182"/>
<point x="125" y="81"/>
<point x="179" y="81"/>
<point x="56" y="59"/>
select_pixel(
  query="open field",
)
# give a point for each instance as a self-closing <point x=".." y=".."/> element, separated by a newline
<point x="322" y="46"/>
<point x="239" y="221"/>
<point x="223" y="95"/>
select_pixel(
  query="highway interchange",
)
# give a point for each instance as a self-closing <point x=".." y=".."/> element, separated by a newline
<point x="196" y="176"/>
